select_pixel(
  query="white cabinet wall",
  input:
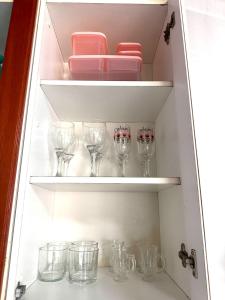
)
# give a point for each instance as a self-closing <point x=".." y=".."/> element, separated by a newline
<point x="158" y="209"/>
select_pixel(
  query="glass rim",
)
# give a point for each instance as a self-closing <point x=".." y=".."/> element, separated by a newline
<point x="47" y="248"/>
<point x="76" y="249"/>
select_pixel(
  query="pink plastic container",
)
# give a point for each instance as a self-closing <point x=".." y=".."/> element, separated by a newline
<point x="105" y="67"/>
<point x="86" y="67"/>
<point x="129" y="47"/>
<point x="123" y="67"/>
<point x="89" y="43"/>
<point x="130" y="53"/>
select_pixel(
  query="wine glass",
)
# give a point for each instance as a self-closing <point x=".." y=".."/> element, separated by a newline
<point x="94" y="137"/>
<point x="62" y="135"/>
<point x="122" y="144"/>
<point x="146" y="148"/>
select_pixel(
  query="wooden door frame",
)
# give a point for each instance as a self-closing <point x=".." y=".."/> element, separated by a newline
<point x="13" y="89"/>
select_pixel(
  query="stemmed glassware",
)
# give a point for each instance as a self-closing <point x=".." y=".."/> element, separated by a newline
<point x="146" y="148"/>
<point x="63" y="137"/>
<point x="122" y="143"/>
<point x="94" y="138"/>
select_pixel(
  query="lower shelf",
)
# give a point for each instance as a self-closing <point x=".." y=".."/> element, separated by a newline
<point x="105" y="184"/>
<point x="163" y="288"/>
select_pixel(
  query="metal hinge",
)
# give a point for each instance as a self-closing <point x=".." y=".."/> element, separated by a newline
<point x="169" y="26"/>
<point x="20" y="290"/>
<point x="190" y="260"/>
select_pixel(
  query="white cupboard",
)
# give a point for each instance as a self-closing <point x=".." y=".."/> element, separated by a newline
<point x="164" y="209"/>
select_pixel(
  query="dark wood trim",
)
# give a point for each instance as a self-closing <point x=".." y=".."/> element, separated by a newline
<point x="13" y="87"/>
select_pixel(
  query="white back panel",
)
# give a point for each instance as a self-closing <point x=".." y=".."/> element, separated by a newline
<point x="120" y="23"/>
<point x="106" y="216"/>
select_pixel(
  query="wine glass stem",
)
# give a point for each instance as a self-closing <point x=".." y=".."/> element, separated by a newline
<point x="93" y="164"/>
<point x="59" y="163"/>
<point x="123" y="167"/>
<point x="147" y="168"/>
<point x="66" y="165"/>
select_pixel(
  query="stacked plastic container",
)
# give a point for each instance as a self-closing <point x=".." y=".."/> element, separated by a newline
<point x="91" y="61"/>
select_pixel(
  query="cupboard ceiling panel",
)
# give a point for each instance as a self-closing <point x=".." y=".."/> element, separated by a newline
<point x="120" y="22"/>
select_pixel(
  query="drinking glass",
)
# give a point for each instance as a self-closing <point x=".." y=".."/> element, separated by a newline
<point x="83" y="262"/>
<point x="122" y="144"/>
<point x="153" y="262"/>
<point x="122" y="263"/>
<point x="62" y="135"/>
<point x="146" y="148"/>
<point x="94" y="137"/>
<point x="52" y="262"/>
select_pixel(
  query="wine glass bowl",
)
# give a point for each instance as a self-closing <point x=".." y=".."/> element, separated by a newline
<point x="122" y="145"/>
<point x="146" y="148"/>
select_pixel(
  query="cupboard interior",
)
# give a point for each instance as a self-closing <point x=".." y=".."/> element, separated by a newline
<point x="45" y="214"/>
<point x="5" y="13"/>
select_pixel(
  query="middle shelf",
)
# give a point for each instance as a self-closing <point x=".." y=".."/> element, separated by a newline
<point x="105" y="184"/>
<point x="112" y="101"/>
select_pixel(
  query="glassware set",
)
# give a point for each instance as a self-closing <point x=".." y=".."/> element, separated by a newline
<point x="65" y="142"/>
<point x="80" y="259"/>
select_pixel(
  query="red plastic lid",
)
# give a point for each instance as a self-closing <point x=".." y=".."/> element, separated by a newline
<point x="129" y="46"/>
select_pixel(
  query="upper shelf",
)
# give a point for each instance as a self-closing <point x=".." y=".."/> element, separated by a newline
<point x="111" y="101"/>
<point x="105" y="184"/>
<point x="120" y="21"/>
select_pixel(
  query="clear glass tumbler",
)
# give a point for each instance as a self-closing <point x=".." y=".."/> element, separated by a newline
<point x="123" y="263"/>
<point x="153" y="263"/>
<point x="83" y="262"/>
<point x="52" y="262"/>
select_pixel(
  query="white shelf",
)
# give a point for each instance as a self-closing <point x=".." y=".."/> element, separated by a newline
<point x="105" y="288"/>
<point x="112" y="101"/>
<point x="105" y="184"/>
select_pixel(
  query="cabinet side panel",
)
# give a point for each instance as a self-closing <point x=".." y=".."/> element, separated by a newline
<point x="204" y="23"/>
<point x="13" y="88"/>
<point x="184" y="147"/>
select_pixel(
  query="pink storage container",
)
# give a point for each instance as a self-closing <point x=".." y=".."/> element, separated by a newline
<point x="105" y="67"/>
<point x="130" y="53"/>
<point x="123" y="67"/>
<point x="89" y="43"/>
<point x="129" y="47"/>
<point x="86" y="67"/>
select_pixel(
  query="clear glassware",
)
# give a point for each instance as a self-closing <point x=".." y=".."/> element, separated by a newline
<point x="123" y="263"/>
<point x="68" y="154"/>
<point x="83" y="262"/>
<point x="122" y="144"/>
<point x="94" y="138"/>
<point x="146" y="148"/>
<point x="62" y="134"/>
<point x="152" y="262"/>
<point x="52" y="262"/>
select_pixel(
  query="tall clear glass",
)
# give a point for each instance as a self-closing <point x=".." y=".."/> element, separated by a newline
<point x="122" y="144"/>
<point x="94" y="138"/>
<point x="146" y="149"/>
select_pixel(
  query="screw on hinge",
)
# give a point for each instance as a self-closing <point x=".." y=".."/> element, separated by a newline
<point x="187" y="259"/>
<point x="20" y="290"/>
<point x="169" y="26"/>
